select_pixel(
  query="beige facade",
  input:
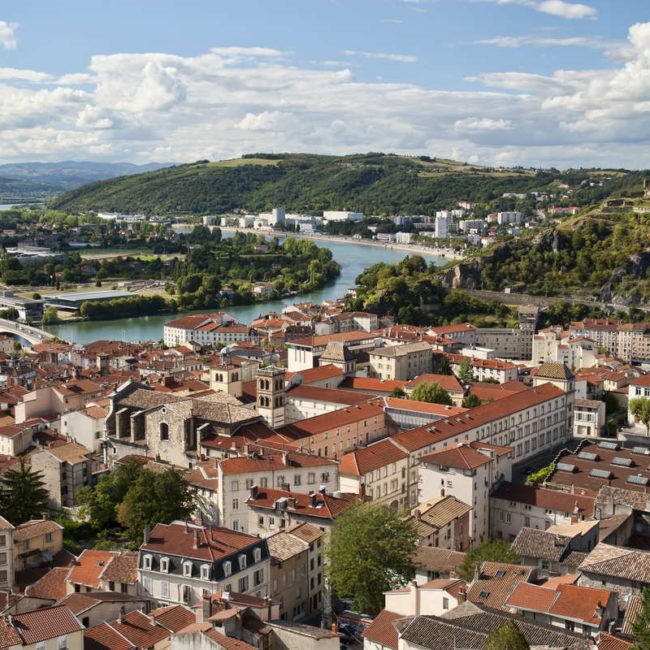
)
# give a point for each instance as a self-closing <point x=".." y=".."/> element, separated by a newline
<point x="35" y="543"/>
<point x="401" y="362"/>
<point x="6" y="555"/>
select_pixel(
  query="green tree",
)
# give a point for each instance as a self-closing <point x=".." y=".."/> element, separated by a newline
<point x="50" y="316"/>
<point x="471" y="401"/>
<point x="541" y="474"/>
<point x="371" y="551"/>
<point x="23" y="495"/>
<point x="444" y="367"/>
<point x="488" y="551"/>
<point x="640" y="409"/>
<point x="641" y="625"/>
<point x="506" y="637"/>
<point x="397" y="392"/>
<point x="155" y="498"/>
<point x="465" y="372"/>
<point x="431" y="392"/>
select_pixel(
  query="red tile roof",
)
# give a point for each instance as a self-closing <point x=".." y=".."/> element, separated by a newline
<point x="311" y="375"/>
<point x="104" y="637"/>
<point x="139" y="630"/>
<point x="89" y="566"/>
<point x="423" y="407"/>
<point x="544" y="498"/>
<point x="45" y="623"/>
<point x="382" y="631"/>
<point x="174" y="617"/>
<point x="214" y="542"/>
<point x="328" y="395"/>
<point x="269" y="462"/>
<point x="122" y="568"/>
<point x="448" y="382"/>
<point x="51" y="586"/>
<point x="323" y="506"/>
<point x="372" y="384"/>
<point x="367" y="459"/>
<point x="465" y="455"/>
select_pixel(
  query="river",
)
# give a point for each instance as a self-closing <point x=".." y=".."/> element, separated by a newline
<point x="353" y="258"/>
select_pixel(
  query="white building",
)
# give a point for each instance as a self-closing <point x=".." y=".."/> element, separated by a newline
<point x="443" y="219"/>
<point x="204" y="329"/>
<point x="504" y="218"/>
<point x="342" y="215"/>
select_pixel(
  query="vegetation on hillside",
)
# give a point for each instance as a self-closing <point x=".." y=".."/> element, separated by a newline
<point x="374" y="183"/>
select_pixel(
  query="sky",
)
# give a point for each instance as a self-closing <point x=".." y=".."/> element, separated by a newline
<point x="498" y="82"/>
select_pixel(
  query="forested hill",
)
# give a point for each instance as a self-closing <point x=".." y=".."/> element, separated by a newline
<point x="371" y="183"/>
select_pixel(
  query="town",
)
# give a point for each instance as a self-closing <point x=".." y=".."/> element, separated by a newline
<point x="516" y="460"/>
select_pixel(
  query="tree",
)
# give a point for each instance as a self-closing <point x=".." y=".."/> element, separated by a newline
<point x="488" y="551"/>
<point x="641" y="625"/>
<point x="444" y="367"/>
<point x="371" y="551"/>
<point x="23" y="495"/>
<point x="506" y="637"/>
<point x="431" y="392"/>
<point x="465" y="372"/>
<point x="640" y="409"/>
<point x="471" y="401"/>
<point x="397" y="392"/>
<point x="155" y="498"/>
<point x="50" y="316"/>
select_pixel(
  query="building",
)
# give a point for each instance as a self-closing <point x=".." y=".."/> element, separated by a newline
<point x="482" y="369"/>
<point x="550" y="345"/>
<point x="342" y="215"/>
<point x="514" y="506"/>
<point x="85" y="427"/>
<point x="73" y="301"/>
<point x="630" y="341"/>
<point x="494" y="581"/>
<point x="589" y="418"/>
<point x="303" y="401"/>
<point x="616" y="568"/>
<point x="197" y="328"/>
<point x="443" y="522"/>
<point x="401" y="362"/>
<point x="378" y="472"/>
<point x="271" y="395"/>
<point x="36" y="542"/>
<point x="304" y="353"/>
<point x="29" y="310"/>
<point x="179" y="562"/>
<point x="431" y="599"/>
<point x="467" y="471"/>
<point x="48" y="628"/>
<point x="6" y="555"/>
<point x="506" y="342"/>
<point x="443" y="219"/>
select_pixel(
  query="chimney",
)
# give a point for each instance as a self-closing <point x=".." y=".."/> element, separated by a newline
<point x="574" y="519"/>
<point x="146" y="534"/>
<point x="414" y="587"/>
<point x="462" y="595"/>
<point x="323" y="489"/>
<point x="122" y="613"/>
<point x="196" y="538"/>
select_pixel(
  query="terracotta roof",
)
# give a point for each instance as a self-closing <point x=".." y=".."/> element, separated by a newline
<point x="449" y="382"/>
<point x="311" y="375"/>
<point x="634" y="608"/>
<point x="552" y="370"/>
<point x="35" y="528"/>
<point x="452" y="329"/>
<point x="174" y="618"/>
<point x="306" y="531"/>
<point x="382" y="631"/>
<point x="437" y="513"/>
<point x="466" y="455"/>
<point x="322" y="506"/>
<point x="71" y="452"/>
<point x="540" y="497"/>
<point x="438" y="560"/>
<point x="45" y="623"/>
<point x="618" y="562"/>
<point x="344" y="337"/>
<point x="545" y="545"/>
<point x="367" y="459"/>
<point x="372" y="384"/>
<point x="89" y="567"/>
<point x="610" y="642"/>
<point x="328" y="395"/>
<point x="392" y="351"/>
<point x="104" y="637"/>
<point x="51" y="586"/>
<point x="122" y="568"/>
<point x="270" y="461"/>
<point x="495" y="583"/>
<point x="328" y="421"/>
<point x="227" y="642"/>
<point x="486" y="392"/>
<point x="443" y="410"/>
<point x="214" y="542"/>
<point x="8" y="635"/>
<point x="139" y="630"/>
<point x="194" y="320"/>
<point x="283" y="546"/>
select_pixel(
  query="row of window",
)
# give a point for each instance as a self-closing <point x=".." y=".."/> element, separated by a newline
<point x="188" y="566"/>
<point x="280" y="481"/>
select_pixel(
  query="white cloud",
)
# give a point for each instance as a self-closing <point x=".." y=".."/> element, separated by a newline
<point x="8" y="35"/>
<point x="546" y="41"/>
<point x="392" y="21"/>
<point x="383" y="56"/>
<point x="560" y="8"/>
<point x="156" y="106"/>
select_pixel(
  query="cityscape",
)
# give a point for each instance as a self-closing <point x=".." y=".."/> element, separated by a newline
<point x="324" y="326"/>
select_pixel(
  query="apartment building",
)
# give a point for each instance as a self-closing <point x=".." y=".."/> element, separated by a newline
<point x="639" y="387"/>
<point x="462" y="334"/>
<point x="552" y="345"/>
<point x="514" y="506"/>
<point x="467" y="471"/>
<point x="266" y="468"/>
<point x="197" y="328"/>
<point x="379" y="472"/>
<point x="315" y="538"/>
<point x="401" y="362"/>
<point x="36" y="542"/>
<point x="179" y="562"/>
<point x="507" y="342"/>
<point x="6" y="555"/>
<point x="589" y="418"/>
<point x="629" y="341"/>
<point x="303" y="402"/>
<point x="482" y="369"/>
<point x="443" y="522"/>
<point x="305" y="353"/>
<point x="333" y="434"/>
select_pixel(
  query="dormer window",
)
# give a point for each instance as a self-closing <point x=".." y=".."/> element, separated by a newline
<point x="242" y="562"/>
<point x="187" y="568"/>
<point x="205" y="572"/>
<point x="257" y="554"/>
<point x="164" y="564"/>
<point x="146" y="562"/>
<point x="227" y="568"/>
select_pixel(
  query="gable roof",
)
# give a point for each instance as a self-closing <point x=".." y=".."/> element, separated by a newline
<point x="45" y="623"/>
<point x="495" y="582"/>
<point x="618" y="562"/>
<point x="367" y="459"/>
<point x="541" y="497"/>
<point x="382" y="631"/>
<point x="104" y="637"/>
<point x="89" y="566"/>
<point x="466" y="455"/>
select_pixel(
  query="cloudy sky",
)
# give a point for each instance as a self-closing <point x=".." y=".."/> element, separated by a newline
<point x="530" y="82"/>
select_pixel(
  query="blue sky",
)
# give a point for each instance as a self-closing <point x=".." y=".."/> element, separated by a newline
<point x="531" y="82"/>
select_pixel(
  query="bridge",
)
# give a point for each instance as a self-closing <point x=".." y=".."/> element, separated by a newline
<point x="30" y="334"/>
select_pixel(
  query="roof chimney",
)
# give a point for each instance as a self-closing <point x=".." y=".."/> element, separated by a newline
<point x="146" y="534"/>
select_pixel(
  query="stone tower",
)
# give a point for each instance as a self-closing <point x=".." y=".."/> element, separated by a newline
<point x="271" y="395"/>
<point x="226" y="378"/>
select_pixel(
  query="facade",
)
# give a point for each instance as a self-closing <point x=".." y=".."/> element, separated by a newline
<point x="401" y="362"/>
<point x="178" y="563"/>
<point x="199" y="328"/>
<point x="443" y="522"/>
<point x="303" y="402"/>
<point x="589" y="418"/>
<point x="468" y="472"/>
<point x="36" y="542"/>
<point x="271" y="395"/>
<point x="6" y="555"/>
<point x="630" y="342"/>
<point x="431" y="599"/>
<point x="616" y="568"/>
<point x="482" y="369"/>
<point x="507" y="342"/>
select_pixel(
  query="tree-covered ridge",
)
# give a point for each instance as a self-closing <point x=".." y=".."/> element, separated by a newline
<point x="373" y="183"/>
<point x="603" y="255"/>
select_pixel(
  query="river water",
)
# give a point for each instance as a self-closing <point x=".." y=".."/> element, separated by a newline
<point x="353" y="258"/>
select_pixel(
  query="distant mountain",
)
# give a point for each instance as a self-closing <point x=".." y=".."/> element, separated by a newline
<point x="36" y="179"/>
<point x="373" y="183"/>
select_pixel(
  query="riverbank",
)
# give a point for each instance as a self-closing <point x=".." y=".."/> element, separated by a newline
<point x="447" y="253"/>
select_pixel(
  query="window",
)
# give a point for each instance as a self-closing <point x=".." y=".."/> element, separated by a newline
<point x="186" y="594"/>
<point x="297" y="479"/>
<point x="164" y="589"/>
<point x="164" y="431"/>
<point x="258" y="577"/>
<point x="26" y="545"/>
<point x="311" y="478"/>
<point x="205" y="572"/>
<point x="164" y="564"/>
<point x="242" y="562"/>
<point x="227" y="568"/>
<point x="146" y="583"/>
<point x="484" y="594"/>
<point x="235" y="504"/>
<point x="146" y="562"/>
<point x="3" y="559"/>
<point x="243" y="584"/>
<point x="234" y="486"/>
<point x="63" y="642"/>
<point x="187" y="568"/>
<point x="257" y="554"/>
<point x="124" y="587"/>
<point x="445" y="603"/>
<point x="49" y="537"/>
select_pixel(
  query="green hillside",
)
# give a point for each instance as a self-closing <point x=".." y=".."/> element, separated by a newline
<point x="372" y="183"/>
